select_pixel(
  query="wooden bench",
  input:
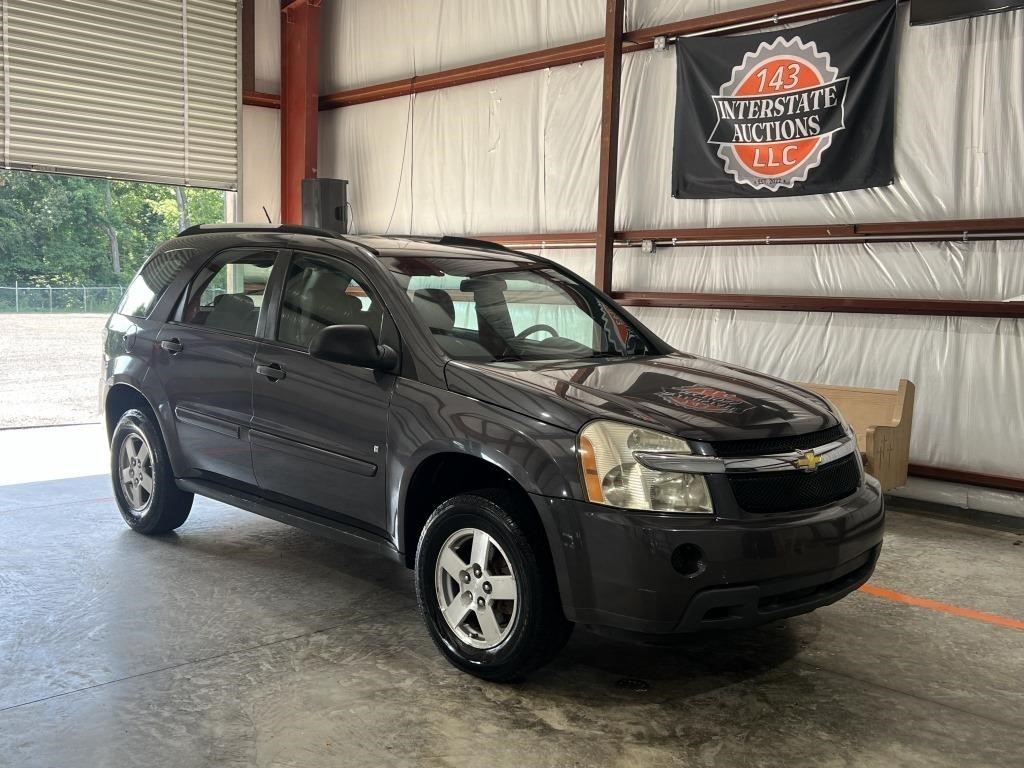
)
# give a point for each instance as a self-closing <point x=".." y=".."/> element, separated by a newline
<point x="882" y="419"/>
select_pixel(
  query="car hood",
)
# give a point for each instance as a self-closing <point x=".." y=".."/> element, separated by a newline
<point x="685" y="395"/>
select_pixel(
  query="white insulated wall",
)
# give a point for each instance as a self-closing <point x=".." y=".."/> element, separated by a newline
<point x="373" y="41"/>
<point x="520" y="154"/>
<point x="267" y="16"/>
<point x="261" y="126"/>
<point x="261" y="164"/>
<point x="960" y="112"/>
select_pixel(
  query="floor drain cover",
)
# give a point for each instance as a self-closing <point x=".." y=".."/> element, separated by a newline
<point x="633" y="685"/>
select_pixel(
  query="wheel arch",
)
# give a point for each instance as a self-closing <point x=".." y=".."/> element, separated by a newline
<point x="441" y="474"/>
<point x="123" y="395"/>
<point x="120" y="398"/>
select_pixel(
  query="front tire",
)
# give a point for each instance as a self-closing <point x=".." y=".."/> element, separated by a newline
<point x="486" y="588"/>
<point x="144" y="488"/>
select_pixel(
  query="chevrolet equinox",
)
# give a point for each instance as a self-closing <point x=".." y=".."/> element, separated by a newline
<point x="487" y="418"/>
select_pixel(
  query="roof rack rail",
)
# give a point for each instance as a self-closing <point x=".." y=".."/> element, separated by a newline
<point x="285" y="229"/>
<point x="455" y="241"/>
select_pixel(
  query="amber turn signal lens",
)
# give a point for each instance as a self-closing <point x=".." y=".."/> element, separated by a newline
<point x="591" y="478"/>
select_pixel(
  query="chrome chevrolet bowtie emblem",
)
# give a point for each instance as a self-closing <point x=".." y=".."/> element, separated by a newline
<point x="808" y="462"/>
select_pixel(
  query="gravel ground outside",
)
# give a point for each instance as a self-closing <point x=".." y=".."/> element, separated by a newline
<point x="50" y="369"/>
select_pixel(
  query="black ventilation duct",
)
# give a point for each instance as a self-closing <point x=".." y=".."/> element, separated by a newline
<point x="324" y="204"/>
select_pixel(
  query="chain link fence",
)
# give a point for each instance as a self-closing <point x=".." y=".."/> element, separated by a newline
<point x="102" y="299"/>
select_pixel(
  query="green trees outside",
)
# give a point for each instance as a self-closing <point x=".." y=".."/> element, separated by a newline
<point x="74" y="231"/>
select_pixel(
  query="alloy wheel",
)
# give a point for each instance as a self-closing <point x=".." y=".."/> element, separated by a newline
<point x="476" y="588"/>
<point x="135" y="467"/>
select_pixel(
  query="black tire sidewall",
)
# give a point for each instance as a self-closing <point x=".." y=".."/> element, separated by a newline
<point x="169" y="507"/>
<point x="472" y="511"/>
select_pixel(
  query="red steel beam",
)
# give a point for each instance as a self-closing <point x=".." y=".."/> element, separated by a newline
<point x="371" y="93"/>
<point x="248" y="45"/>
<point x="609" y="151"/>
<point x="488" y="70"/>
<point x="300" y="65"/>
<point x="948" y="227"/>
<point x="811" y="233"/>
<point x="575" y="52"/>
<point x="287" y="5"/>
<point x="261" y="99"/>
<point x="556" y="239"/>
<point x="899" y="231"/>
<point x="844" y="304"/>
<point x="896" y="231"/>
<point x="753" y="16"/>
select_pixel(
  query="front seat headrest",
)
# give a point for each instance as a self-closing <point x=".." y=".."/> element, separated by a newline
<point x="436" y="307"/>
<point x="329" y="302"/>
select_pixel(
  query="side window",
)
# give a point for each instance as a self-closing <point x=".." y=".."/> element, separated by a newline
<point x="320" y="291"/>
<point x="228" y="294"/>
<point x="152" y="281"/>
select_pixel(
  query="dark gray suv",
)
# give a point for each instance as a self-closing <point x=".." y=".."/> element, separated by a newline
<point x="489" y="419"/>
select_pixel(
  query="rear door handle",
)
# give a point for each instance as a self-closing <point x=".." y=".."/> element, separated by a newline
<point x="174" y="346"/>
<point x="274" y="372"/>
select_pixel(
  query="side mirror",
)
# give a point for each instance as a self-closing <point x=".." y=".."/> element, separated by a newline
<point x="352" y="345"/>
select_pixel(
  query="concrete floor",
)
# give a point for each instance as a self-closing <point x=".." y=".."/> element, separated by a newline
<point x="51" y="366"/>
<point x="240" y="642"/>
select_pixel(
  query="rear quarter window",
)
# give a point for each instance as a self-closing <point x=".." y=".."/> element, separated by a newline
<point x="151" y="282"/>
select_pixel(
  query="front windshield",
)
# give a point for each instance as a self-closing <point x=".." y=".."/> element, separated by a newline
<point x="491" y="310"/>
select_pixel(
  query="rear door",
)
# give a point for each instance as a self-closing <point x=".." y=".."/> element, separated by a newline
<point x="319" y="431"/>
<point x="205" y="360"/>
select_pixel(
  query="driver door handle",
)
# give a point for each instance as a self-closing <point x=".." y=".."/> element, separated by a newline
<point x="273" y="371"/>
<point x="174" y="346"/>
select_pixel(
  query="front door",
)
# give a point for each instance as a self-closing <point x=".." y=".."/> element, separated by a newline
<point x="319" y="431"/>
<point x="205" y="360"/>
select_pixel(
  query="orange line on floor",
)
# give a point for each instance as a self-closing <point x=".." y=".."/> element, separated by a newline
<point x="935" y="605"/>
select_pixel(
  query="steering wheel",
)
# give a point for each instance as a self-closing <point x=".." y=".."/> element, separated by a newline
<point x="534" y="328"/>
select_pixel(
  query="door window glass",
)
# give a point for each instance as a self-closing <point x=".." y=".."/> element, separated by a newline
<point x="228" y="294"/>
<point x="320" y="291"/>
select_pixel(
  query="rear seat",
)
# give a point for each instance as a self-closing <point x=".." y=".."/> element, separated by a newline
<point x="234" y="312"/>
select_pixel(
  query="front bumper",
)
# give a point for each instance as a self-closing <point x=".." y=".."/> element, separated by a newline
<point x="660" y="573"/>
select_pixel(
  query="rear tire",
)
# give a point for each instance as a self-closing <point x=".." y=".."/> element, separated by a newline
<point x="144" y="488"/>
<point x="487" y="589"/>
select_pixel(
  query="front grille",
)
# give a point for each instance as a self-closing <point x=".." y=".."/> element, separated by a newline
<point x="770" y="445"/>
<point x="766" y="492"/>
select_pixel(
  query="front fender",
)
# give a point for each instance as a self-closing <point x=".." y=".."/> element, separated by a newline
<point x="425" y="421"/>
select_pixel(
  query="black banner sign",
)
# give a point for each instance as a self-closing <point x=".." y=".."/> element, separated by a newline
<point x="801" y="112"/>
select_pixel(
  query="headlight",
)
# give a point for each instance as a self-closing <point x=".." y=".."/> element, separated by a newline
<point x="612" y="475"/>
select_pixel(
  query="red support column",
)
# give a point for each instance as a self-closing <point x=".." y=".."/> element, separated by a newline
<point x="300" y="86"/>
<point x="248" y="46"/>
<point x="608" y="177"/>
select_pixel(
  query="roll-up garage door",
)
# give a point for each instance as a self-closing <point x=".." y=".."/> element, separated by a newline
<point x="129" y="89"/>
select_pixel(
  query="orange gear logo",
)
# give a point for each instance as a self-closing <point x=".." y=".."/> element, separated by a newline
<point x="778" y="113"/>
